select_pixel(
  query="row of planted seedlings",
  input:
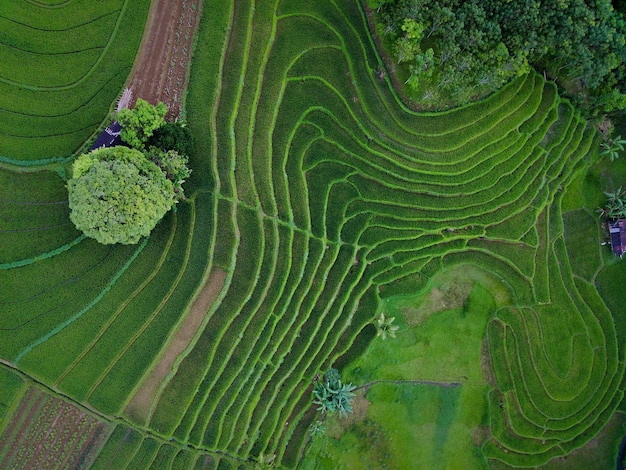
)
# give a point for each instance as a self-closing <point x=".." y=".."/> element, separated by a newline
<point x="274" y="362"/>
<point x="161" y="310"/>
<point x="179" y="392"/>
<point x="246" y="184"/>
<point x="222" y="318"/>
<point x="97" y="329"/>
<point x="244" y="167"/>
<point x="129" y="449"/>
<point x="96" y="355"/>
<point x="73" y="281"/>
<point x="45" y="430"/>
<point x="242" y="333"/>
<point x="97" y="323"/>
<point x="49" y="119"/>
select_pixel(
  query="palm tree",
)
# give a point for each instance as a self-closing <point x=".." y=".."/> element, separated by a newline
<point x="615" y="204"/>
<point x="612" y="147"/>
<point x="332" y="395"/>
<point x="385" y="326"/>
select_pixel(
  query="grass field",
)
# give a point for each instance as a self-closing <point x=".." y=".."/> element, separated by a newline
<point x="325" y="201"/>
<point x="64" y="65"/>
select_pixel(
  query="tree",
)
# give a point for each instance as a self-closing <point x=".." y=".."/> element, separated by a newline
<point x="615" y="204"/>
<point x="173" y="136"/>
<point x="479" y="45"/>
<point x="140" y="123"/>
<point x="612" y="147"/>
<point x="332" y="395"/>
<point x="385" y="326"/>
<point x="117" y="195"/>
<point x="173" y="164"/>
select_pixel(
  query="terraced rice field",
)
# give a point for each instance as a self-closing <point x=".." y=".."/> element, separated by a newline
<point x="315" y="193"/>
<point x="64" y="63"/>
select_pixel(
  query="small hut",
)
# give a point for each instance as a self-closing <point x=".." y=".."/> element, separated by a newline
<point x="110" y="137"/>
<point x="617" y="231"/>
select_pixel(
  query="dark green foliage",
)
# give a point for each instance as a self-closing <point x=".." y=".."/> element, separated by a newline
<point x="479" y="45"/>
<point x="332" y="395"/>
<point x="173" y="136"/>
<point x="117" y="195"/>
<point x="615" y="207"/>
<point x="612" y="147"/>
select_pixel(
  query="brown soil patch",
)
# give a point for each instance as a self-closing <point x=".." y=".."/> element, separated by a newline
<point x="340" y="424"/>
<point x="139" y="407"/>
<point x="444" y="297"/>
<point x="160" y="71"/>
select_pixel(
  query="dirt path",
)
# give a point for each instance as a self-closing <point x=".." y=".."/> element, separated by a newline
<point x="139" y="407"/>
<point x="413" y="382"/>
<point x="161" y="65"/>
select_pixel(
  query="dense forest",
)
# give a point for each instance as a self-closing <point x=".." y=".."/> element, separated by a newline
<point x="457" y="50"/>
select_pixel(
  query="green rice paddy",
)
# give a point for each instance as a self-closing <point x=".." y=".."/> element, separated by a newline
<point x="324" y="199"/>
<point x="63" y="66"/>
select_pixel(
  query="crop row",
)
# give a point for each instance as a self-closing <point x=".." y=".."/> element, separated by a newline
<point x="64" y="67"/>
<point x="127" y="448"/>
<point x="47" y="432"/>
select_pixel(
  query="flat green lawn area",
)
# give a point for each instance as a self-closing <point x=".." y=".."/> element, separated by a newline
<point x="400" y="422"/>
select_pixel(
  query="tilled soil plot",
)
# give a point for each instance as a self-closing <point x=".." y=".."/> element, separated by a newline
<point x="160" y="69"/>
<point x="47" y="432"/>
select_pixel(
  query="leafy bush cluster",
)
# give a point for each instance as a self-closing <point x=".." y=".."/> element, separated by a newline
<point x="332" y="395"/>
<point x="615" y="207"/>
<point x="119" y="194"/>
<point x="476" y="46"/>
<point x="166" y="144"/>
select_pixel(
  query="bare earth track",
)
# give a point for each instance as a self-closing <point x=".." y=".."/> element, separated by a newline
<point x="139" y="406"/>
<point x="161" y="66"/>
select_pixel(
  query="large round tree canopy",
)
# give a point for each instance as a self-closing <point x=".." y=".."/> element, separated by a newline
<point x="117" y="195"/>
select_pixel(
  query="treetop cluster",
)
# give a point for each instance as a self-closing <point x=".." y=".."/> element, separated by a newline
<point x="464" y="49"/>
<point x="119" y="194"/>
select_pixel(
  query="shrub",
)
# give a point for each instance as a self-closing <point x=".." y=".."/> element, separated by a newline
<point x="332" y="395"/>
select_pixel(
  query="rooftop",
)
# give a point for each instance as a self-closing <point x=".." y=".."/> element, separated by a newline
<point x="617" y="231"/>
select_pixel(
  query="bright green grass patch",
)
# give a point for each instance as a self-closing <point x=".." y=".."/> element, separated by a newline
<point x="582" y="239"/>
<point x="610" y="285"/>
<point x="412" y="424"/>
